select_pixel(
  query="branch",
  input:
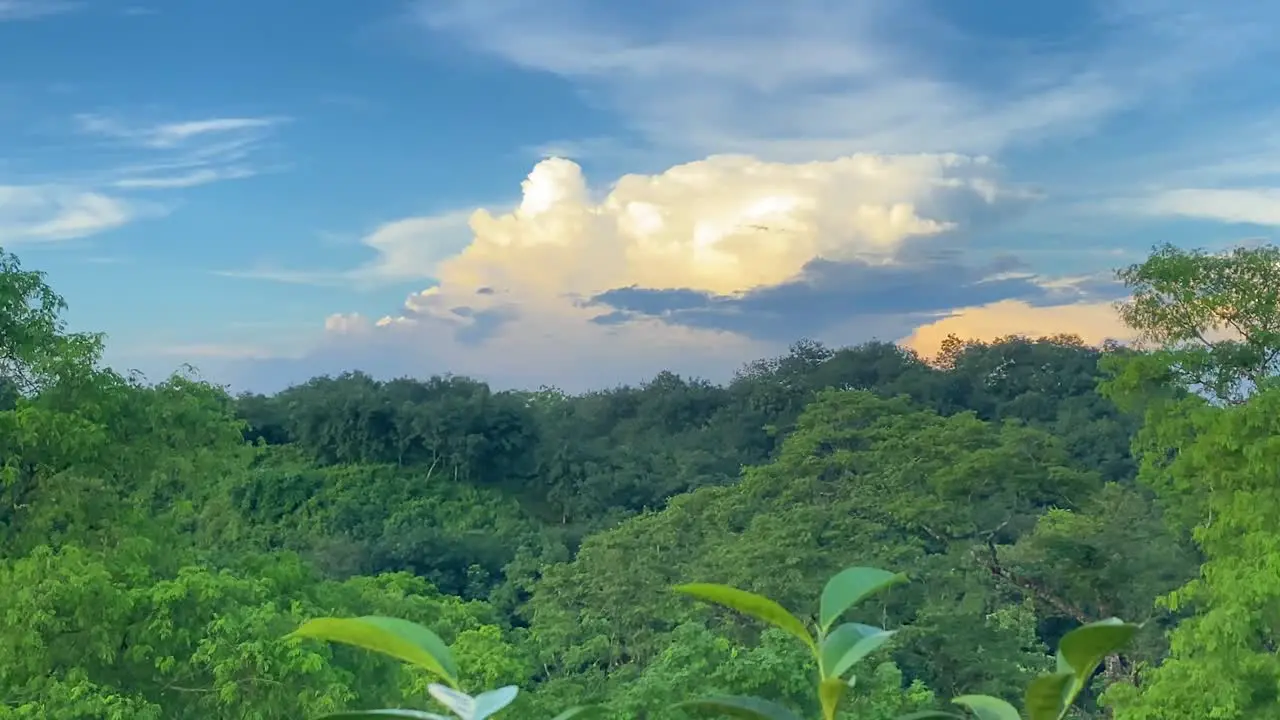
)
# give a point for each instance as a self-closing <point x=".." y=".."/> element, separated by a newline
<point x="991" y="562"/>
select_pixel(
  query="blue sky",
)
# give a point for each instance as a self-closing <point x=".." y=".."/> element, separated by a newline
<point x="580" y="193"/>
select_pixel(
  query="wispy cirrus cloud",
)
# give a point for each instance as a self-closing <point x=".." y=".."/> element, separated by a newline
<point x="186" y="153"/>
<point x="98" y="192"/>
<point x="193" y="178"/>
<point x="174" y="134"/>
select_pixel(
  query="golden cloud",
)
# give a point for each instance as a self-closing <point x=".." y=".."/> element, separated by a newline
<point x="1093" y="322"/>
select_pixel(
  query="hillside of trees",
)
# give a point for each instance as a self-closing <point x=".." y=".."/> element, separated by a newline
<point x="159" y="541"/>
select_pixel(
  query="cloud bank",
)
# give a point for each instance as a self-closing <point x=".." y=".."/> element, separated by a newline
<point x="698" y="269"/>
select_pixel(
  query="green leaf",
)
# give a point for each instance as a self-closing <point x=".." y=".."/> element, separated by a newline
<point x="1079" y="654"/>
<point x="849" y="587"/>
<point x="479" y="707"/>
<point x="985" y="707"/>
<point x="740" y="707"/>
<point x="931" y="714"/>
<point x="1088" y="645"/>
<point x="581" y="712"/>
<point x="749" y="603"/>
<point x="837" y="642"/>
<point x="400" y="639"/>
<point x="849" y="643"/>
<point x="393" y="714"/>
<point x="488" y="703"/>
<point x="1049" y="696"/>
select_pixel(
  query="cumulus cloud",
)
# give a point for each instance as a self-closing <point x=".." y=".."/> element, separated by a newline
<point x="36" y="213"/>
<point x="697" y="268"/>
<point x="726" y="224"/>
<point x="845" y="189"/>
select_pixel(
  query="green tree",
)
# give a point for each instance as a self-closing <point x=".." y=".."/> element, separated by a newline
<point x="1223" y="661"/>
<point x="35" y="348"/>
<point x="1215" y="317"/>
<point x="881" y="480"/>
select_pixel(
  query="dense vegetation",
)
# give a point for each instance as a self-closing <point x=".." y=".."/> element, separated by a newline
<point x="159" y="542"/>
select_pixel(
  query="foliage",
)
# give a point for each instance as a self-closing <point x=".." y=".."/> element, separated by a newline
<point x="836" y="650"/>
<point x="36" y="351"/>
<point x="1222" y="661"/>
<point x="1215" y="317"/>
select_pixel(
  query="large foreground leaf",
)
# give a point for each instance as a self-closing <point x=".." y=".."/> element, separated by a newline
<point x="985" y="707"/>
<point x="982" y="707"/>
<point x="479" y="707"/>
<point x="740" y="707"/>
<point x="849" y="643"/>
<point x="1049" y="696"/>
<point x="384" y="715"/>
<point x="1080" y="652"/>
<point x="850" y="587"/>
<point x="749" y="603"/>
<point x="1088" y="645"/>
<point x="400" y="639"/>
<point x="582" y="712"/>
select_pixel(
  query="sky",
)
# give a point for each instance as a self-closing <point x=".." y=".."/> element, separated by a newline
<point x="578" y="193"/>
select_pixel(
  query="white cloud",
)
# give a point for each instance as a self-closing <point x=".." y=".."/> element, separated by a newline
<point x="725" y="224"/>
<point x="809" y="78"/>
<point x="33" y="9"/>
<point x="557" y="345"/>
<point x="186" y="153"/>
<point x="173" y="134"/>
<point x="509" y="305"/>
<point x="35" y="213"/>
<point x="1257" y="206"/>
<point x="406" y="249"/>
<point x="190" y="179"/>
<point x="410" y="249"/>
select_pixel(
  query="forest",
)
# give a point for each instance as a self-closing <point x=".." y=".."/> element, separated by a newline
<point x="160" y="541"/>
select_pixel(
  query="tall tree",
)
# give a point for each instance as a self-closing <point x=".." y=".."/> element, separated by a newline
<point x="1223" y="662"/>
<point x="35" y="347"/>
<point x="1215" y="317"/>
<point x="1211" y="458"/>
